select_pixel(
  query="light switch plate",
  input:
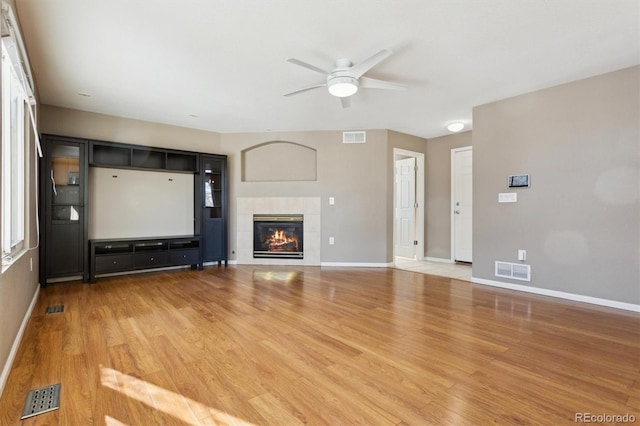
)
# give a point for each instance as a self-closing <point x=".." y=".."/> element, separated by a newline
<point x="508" y="197"/>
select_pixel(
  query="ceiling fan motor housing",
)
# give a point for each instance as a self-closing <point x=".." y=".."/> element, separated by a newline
<point x="341" y="84"/>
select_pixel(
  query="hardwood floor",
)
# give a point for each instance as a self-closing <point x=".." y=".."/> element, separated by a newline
<point x="295" y="345"/>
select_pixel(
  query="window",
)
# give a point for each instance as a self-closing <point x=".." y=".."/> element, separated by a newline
<point x="13" y="156"/>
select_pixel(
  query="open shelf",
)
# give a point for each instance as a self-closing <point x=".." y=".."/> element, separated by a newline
<point x="182" y="161"/>
<point x="109" y="155"/>
<point x="148" y="159"/>
<point x="113" y="154"/>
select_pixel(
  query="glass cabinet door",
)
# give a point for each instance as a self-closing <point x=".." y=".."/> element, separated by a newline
<point x="65" y="183"/>
<point x="212" y="191"/>
<point x="64" y="211"/>
<point x="213" y="231"/>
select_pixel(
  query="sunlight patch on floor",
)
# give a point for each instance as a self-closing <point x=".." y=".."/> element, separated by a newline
<point x="110" y="421"/>
<point x="284" y="276"/>
<point x="163" y="400"/>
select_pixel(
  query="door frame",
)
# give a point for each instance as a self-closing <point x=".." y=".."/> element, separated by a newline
<point x="399" y="154"/>
<point x="452" y="196"/>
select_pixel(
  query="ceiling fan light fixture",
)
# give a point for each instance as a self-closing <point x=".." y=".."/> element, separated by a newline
<point x="455" y="127"/>
<point x="342" y="87"/>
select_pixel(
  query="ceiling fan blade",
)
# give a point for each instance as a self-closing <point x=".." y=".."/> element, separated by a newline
<point x="346" y="102"/>
<point x="359" y="69"/>
<point x="372" y="83"/>
<point x="307" y="66"/>
<point x="306" y="88"/>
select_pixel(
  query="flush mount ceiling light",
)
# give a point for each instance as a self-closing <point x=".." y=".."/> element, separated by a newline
<point x="455" y="127"/>
<point x="342" y="86"/>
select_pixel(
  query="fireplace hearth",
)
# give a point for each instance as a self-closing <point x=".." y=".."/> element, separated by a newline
<point x="278" y="236"/>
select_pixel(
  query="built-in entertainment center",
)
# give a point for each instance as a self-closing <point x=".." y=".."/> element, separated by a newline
<point x="111" y="207"/>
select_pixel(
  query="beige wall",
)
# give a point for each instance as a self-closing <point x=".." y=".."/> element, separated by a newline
<point x="580" y="219"/>
<point x="356" y="175"/>
<point x="18" y="284"/>
<point x="89" y="125"/>
<point x="438" y="193"/>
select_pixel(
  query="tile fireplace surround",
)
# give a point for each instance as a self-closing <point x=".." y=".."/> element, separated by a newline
<point x="307" y="206"/>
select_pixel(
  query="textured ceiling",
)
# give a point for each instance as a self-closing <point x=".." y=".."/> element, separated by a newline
<point x="221" y="65"/>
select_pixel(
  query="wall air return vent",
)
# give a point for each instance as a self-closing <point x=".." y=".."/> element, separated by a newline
<point x="515" y="271"/>
<point x="354" y="137"/>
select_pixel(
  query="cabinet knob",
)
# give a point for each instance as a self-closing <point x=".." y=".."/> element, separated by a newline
<point x="115" y="261"/>
<point x="152" y="258"/>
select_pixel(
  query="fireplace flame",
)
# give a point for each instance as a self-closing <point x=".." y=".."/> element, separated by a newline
<point x="278" y="241"/>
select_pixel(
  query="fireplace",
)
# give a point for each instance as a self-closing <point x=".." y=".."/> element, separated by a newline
<point x="278" y="236"/>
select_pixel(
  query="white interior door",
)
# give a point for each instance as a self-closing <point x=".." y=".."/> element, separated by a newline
<point x="405" y="205"/>
<point x="462" y="205"/>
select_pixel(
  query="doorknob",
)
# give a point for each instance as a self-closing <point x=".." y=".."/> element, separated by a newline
<point x="457" y="212"/>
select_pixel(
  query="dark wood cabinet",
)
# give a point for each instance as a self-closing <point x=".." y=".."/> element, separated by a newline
<point x="109" y="256"/>
<point x="63" y="215"/>
<point x="65" y="249"/>
<point x="212" y="197"/>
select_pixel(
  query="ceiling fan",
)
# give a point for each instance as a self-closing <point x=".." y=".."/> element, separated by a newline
<point x="345" y="79"/>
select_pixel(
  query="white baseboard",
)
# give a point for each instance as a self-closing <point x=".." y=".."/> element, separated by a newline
<point x="16" y="342"/>
<point x="357" y="264"/>
<point x="559" y="294"/>
<point x="438" y="259"/>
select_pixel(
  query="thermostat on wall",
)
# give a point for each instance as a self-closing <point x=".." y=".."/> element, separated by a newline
<point x="519" y="181"/>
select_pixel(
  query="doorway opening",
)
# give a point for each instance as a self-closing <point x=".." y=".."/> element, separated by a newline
<point x="408" y="205"/>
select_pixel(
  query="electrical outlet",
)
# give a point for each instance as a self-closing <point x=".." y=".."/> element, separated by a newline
<point x="332" y="201"/>
<point x="332" y="241"/>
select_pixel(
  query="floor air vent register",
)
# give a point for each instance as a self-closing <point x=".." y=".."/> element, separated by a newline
<point x="41" y="401"/>
<point x="54" y="309"/>
<point x="45" y="399"/>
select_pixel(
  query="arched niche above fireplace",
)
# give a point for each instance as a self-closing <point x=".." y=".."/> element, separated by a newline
<point x="279" y="161"/>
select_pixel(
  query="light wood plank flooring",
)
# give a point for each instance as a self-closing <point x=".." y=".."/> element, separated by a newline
<point x="306" y="345"/>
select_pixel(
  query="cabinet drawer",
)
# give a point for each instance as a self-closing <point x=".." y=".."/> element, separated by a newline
<point x="185" y="257"/>
<point x="151" y="259"/>
<point x="113" y="263"/>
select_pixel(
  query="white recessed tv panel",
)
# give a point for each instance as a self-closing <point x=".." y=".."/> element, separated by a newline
<point x="139" y="203"/>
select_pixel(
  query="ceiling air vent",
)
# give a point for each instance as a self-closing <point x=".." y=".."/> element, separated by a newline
<point x="354" y="137"/>
<point x="515" y="271"/>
